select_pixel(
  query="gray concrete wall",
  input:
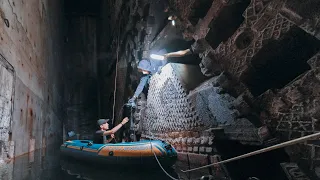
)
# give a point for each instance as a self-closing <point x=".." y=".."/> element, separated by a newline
<point x="82" y="88"/>
<point x="31" y="44"/>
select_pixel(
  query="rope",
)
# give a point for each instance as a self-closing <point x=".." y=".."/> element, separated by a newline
<point x="115" y="78"/>
<point x="281" y="145"/>
<point x="157" y="158"/>
<point x="160" y="163"/>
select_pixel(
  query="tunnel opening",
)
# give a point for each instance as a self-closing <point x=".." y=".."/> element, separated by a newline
<point x="85" y="36"/>
<point x="199" y="10"/>
<point x="82" y="7"/>
<point x="280" y="62"/>
<point x="264" y="166"/>
<point x="227" y="22"/>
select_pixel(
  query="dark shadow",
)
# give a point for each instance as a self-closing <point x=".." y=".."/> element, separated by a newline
<point x="227" y="22"/>
<point x="307" y="9"/>
<point x="199" y="10"/>
<point x="265" y="166"/>
<point x="145" y="11"/>
<point x="280" y="62"/>
<point x="82" y="7"/>
<point x="82" y="169"/>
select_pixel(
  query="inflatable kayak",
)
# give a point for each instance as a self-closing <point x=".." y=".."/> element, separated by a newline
<point x="125" y="153"/>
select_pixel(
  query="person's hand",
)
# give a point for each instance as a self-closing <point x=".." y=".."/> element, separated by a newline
<point x="165" y="56"/>
<point x="112" y="135"/>
<point x="125" y="120"/>
<point x="132" y="100"/>
<point x="159" y="69"/>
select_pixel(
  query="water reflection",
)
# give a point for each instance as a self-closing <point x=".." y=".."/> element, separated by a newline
<point x="38" y="165"/>
<point x="82" y="170"/>
<point x="47" y="164"/>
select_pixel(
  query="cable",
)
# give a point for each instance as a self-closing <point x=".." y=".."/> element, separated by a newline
<point x="160" y="163"/>
<point x="115" y="89"/>
<point x="284" y="144"/>
<point x="157" y="158"/>
<point x="253" y="178"/>
<point x="115" y="78"/>
<point x="162" y="166"/>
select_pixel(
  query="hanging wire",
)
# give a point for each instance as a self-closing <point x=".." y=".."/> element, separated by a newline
<point x="116" y="75"/>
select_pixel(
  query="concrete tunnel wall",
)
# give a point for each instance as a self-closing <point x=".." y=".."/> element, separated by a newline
<point x="30" y="43"/>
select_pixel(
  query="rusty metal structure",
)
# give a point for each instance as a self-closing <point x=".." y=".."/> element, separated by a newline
<point x="257" y="77"/>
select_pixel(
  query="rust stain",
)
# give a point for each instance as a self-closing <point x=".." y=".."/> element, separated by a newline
<point x="26" y="120"/>
<point x="21" y="116"/>
<point x="2" y="14"/>
<point x="30" y="122"/>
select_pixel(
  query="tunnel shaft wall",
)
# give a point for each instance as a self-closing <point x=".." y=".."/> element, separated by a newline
<point x="31" y="78"/>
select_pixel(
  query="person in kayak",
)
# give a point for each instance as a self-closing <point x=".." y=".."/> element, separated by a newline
<point x="104" y="129"/>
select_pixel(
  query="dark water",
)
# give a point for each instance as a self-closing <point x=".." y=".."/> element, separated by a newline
<point x="47" y="164"/>
<point x="80" y="170"/>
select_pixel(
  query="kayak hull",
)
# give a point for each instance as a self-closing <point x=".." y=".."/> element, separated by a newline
<point x="126" y="153"/>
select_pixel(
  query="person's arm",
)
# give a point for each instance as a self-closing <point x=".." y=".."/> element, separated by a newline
<point x="140" y="87"/>
<point x="178" y="53"/>
<point x="112" y="137"/>
<point x="115" y="129"/>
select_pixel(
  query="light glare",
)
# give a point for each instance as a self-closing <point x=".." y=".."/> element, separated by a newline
<point x="158" y="57"/>
<point x="173" y="23"/>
